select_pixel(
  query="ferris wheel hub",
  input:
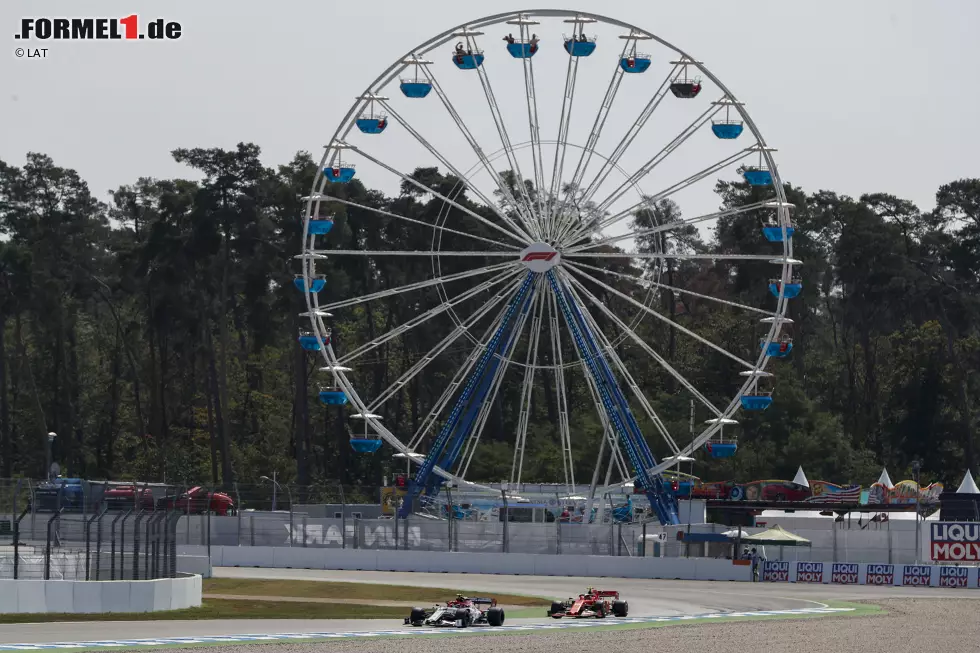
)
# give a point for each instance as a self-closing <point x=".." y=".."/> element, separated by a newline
<point x="540" y="257"/>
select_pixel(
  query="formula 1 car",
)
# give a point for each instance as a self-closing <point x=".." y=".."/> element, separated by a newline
<point x="460" y="612"/>
<point x="594" y="603"/>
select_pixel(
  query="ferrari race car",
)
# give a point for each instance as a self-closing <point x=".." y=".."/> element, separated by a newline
<point x="460" y="612"/>
<point x="594" y="603"/>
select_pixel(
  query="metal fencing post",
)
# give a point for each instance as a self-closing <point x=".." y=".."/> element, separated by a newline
<point x="122" y="540"/>
<point x="290" y="495"/>
<point x="88" y="539"/>
<point x="450" y="514"/>
<point x="208" y="510"/>
<point x="643" y="541"/>
<point x="47" y="547"/>
<point x="16" y="530"/>
<point x="343" y="519"/>
<point x="136" y="544"/>
<point x="165" y="547"/>
<point x="304" y="531"/>
<point x="506" y="516"/>
<point x="173" y="547"/>
<point x="561" y="511"/>
<point x="251" y="529"/>
<point x="396" y="526"/>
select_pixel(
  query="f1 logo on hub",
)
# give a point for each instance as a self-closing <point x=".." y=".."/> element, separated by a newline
<point x="97" y="29"/>
<point x="540" y="257"/>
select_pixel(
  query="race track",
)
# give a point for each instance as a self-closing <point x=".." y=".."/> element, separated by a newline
<point x="647" y="598"/>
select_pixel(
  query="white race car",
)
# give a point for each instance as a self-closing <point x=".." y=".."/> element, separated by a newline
<point x="460" y="612"/>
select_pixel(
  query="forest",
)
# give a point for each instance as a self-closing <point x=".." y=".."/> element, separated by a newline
<point x="156" y="334"/>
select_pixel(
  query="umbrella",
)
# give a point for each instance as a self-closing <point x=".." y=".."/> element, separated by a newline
<point x="777" y="536"/>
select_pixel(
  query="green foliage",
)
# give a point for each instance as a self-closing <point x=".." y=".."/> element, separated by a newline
<point x="156" y="335"/>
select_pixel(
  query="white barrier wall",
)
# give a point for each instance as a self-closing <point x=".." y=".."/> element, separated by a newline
<point x="474" y="563"/>
<point x="79" y="596"/>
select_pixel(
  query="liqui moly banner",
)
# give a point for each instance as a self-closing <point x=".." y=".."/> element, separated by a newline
<point x="844" y="573"/>
<point x="953" y="576"/>
<point x="809" y="572"/>
<point x="955" y="541"/>
<point x="775" y="571"/>
<point x="881" y="575"/>
<point x="920" y="575"/>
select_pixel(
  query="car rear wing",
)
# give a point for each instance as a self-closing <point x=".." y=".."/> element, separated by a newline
<point x="608" y="593"/>
<point x="482" y="599"/>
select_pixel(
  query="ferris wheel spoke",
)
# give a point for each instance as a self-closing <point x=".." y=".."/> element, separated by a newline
<point x="643" y="344"/>
<point x="463" y="372"/>
<point x="498" y="121"/>
<point x="441" y="346"/>
<point x="415" y="286"/>
<point x="670" y="226"/>
<point x="505" y="192"/>
<point x="527" y="387"/>
<point x="327" y="253"/>
<point x="600" y="120"/>
<point x="561" y="147"/>
<point x="663" y="318"/>
<point x="534" y="127"/>
<point x="561" y="391"/>
<point x="609" y="164"/>
<point x="426" y="316"/>
<point x="683" y="257"/>
<point x="435" y="193"/>
<point x="453" y="169"/>
<point x="389" y="214"/>
<point x="613" y="356"/>
<point x="647" y="283"/>
<point x="659" y="158"/>
<point x="583" y="231"/>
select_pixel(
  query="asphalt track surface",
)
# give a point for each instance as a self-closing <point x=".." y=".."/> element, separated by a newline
<point x="647" y="598"/>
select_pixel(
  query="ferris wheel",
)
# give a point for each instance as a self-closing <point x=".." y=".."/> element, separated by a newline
<point x="547" y="266"/>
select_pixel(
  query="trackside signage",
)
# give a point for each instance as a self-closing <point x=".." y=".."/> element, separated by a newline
<point x="955" y="541"/>
<point x="953" y="576"/>
<point x="917" y="575"/>
<point x="809" y="572"/>
<point x="775" y="571"/>
<point x="844" y="573"/>
<point x="881" y="575"/>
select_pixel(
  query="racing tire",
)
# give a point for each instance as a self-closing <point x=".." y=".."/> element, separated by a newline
<point x="556" y="606"/>
<point x="600" y="611"/>
<point x="495" y="616"/>
<point x="620" y="608"/>
<point x="417" y="617"/>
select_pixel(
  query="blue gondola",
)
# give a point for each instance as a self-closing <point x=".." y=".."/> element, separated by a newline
<point x="309" y="342"/>
<point x="635" y="64"/>
<point x="333" y="397"/>
<point x="578" y="48"/>
<point x="721" y="449"/>
<point x="727" y="130"/>
<point x="792" y="289"/>
<point x="522" y="49"/>
<point x="365" y="445"/>
<point x="318" y="284"/>
<point x="774" y="233"/>
<point x="415" y="88"/>
<point x="341" y="174"/>
<point x="469" y="60"/>
<point x="320" y="226"/>
<point x="779" y="349"/>
<point x="756" y="401"/>
<point x="757" y="176"/>
<point x="374" y="125"/>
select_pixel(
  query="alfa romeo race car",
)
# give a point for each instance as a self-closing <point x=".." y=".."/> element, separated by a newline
<point x="594" y="603"/>
<point x="460" y="612"/>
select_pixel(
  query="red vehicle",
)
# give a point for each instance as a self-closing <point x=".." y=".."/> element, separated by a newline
<point x="195" y="501"/>
<point x="594" y="603"/>
<point x="124" y="497"/>
<point x="778" y="491"/>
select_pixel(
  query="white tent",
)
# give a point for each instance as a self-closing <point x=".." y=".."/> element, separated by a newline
<point x="968" y="486"/>
<point x="885" y="480"/>
<point x="800" y="478"/>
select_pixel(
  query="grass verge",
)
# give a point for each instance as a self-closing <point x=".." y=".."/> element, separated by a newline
<point x="354" y="591"/>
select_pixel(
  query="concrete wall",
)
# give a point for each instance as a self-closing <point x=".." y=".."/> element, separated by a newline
<point x="76" y="597"/>
<point x="474" y="563"/>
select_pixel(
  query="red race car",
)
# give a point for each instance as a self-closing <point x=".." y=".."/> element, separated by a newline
<point x="594" y="603"/>
<point x="123" y="497"/>
<point x="195" y="501"/>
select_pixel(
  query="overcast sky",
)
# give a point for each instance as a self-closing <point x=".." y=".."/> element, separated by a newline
<point x="858" y="96"/>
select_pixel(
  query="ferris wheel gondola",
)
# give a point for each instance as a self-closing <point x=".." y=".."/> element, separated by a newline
<point x="538" y="282"/>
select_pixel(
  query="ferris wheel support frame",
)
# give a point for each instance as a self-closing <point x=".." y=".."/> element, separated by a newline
<point x="522" y="228"/>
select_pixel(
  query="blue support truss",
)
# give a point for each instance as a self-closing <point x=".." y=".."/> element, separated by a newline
<point x="662" y="499"/>
<point x="476" y="389"/>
